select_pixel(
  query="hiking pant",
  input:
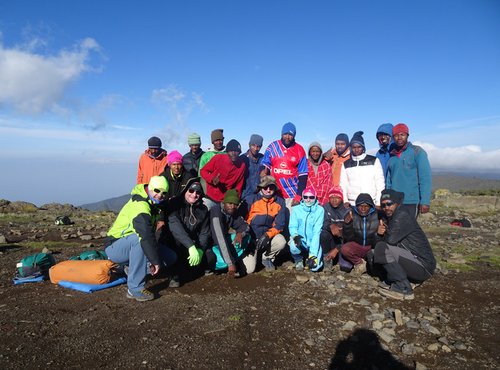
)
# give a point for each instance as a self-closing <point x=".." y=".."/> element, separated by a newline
<point x="128" y="250"/>
<point x="354" y="252"/>
<point x="412" y="209"/>
<point x="400" y="265"/>
<point x="329" y="242"/>
<point x="278" y="243"/>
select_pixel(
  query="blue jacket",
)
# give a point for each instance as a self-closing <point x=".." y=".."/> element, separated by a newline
<point x="410" y="173"/>
<point x="252" y="173"/>
<point x="307" y="222"/>
<point x="384" y="153"/>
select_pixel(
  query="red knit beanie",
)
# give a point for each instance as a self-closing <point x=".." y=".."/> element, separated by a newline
<point x="400" y="127"/>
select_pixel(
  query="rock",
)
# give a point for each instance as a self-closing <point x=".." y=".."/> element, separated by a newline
<point x="376" y="325"/>
<point x="302" y="278"/>
<point x="375" y="316"/>
<point x="433" y="347"/>
<point x="386" y="337"/>
<point x="459" y="345"/>
<point x="398" y="317"/>
<point x="412" y="325"/>
<point x="3" y="240"/>
<point x="86" y="237"/>
<point x="364" y="302"/>
<point x="446" y="349"/>
<point x="419" y="366"/>
<point x="408" y="349"/>
<point x="350" y="325"/>
<point x="309" y="342"/>
<point x="340" y="285"/>
<point x="432" y="329"/>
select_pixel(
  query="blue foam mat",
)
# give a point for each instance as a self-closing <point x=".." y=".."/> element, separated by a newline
<point x="91" y="288"/>
<point x="19" y="280"/>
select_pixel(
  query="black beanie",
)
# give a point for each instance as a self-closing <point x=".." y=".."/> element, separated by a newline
<point x="392" y="195"/>
<point x="154" y="142"/>
<point x="357" y="138"/>
<point x="233" y="146"/>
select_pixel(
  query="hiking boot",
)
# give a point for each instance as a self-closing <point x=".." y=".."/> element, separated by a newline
<point x="268" y="265"/>
<point x="141" y="296"/>
<point x="174" y="282"/>
<point x="396" y="293"/>
<point x="360" y="268"/>
<point x="299" y="265"/>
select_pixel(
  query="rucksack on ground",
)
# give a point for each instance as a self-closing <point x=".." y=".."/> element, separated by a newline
<point x="63" y="220"/>
<point x="90" y="256"/>
<point x="35" y="264"/>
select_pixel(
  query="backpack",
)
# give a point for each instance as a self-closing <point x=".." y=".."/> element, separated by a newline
<point x="63" y="220"/>
<point x="35" y="264"/>
<point x="90" y="256"/>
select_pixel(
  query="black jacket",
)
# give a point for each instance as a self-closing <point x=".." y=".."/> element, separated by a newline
<point x="404" y="231"/>
<point x="362" y="229"/>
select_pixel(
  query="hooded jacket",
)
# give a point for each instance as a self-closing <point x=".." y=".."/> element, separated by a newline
<point x="404" y="231"/>
<point x="384" y="153"/>
<point x="176" y="184"/>
<point x="150" y="166"/>
<point x="307" y="222"/>
<point x="266" y="215"/>
<point x="139" y="215"/>
<point x="362" y="229"/>
<point x="188" y="224"/>
<point x="319" y="175"/>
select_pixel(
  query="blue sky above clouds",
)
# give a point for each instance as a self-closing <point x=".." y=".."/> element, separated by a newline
<point x="84" y="84"/>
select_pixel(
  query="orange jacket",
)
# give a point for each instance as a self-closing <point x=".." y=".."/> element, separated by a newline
<point x="337" y="161"/>
<point x="150" y="166"/>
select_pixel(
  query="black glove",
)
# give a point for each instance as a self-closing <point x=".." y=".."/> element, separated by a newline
<point x="298" y="241"/>
<point x="263" y="242"/>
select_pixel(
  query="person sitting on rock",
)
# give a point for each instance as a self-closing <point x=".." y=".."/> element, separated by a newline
<point x="405" y="252"/>
<point x="188" y="232"/>
<point x="230" y="233"/>
<point x="331" y="233"/>
<point x="305" y="225"/>
<point x="267" y="219"/>
<point x="359" y="232"/>
<point x="131" y="239"/>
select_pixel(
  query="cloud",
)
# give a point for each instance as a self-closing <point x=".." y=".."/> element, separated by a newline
<point x="468" y="158"/>
<point x="35" y="83"/>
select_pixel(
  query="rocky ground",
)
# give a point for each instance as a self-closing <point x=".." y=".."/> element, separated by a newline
<point x="262" y="321"/>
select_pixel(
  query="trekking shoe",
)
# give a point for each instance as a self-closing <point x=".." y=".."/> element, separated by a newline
<point x="360" y="268"/>
<point x="174" y="282"/>
<point x="141" y="296"/>
<point x="268" y="264"/>
<point x="384" y="285"/>
<point x="396" y="294"/>
<point x="208" y="272"/>
<point x="299" y="265"/>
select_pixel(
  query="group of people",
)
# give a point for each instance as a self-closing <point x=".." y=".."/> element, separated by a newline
<point x="227" y="211"/>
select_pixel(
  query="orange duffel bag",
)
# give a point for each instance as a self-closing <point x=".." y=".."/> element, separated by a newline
<point x="86" y="272"/>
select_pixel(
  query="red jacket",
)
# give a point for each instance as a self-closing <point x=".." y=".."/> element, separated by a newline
<point x="321" y="180"/>
<point x="150" y="166"/>
<point x="231" y="176"/>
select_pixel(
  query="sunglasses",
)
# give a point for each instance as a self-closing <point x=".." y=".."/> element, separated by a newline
<point x="312" y="197"/>
<point x="269" y="187"/>
<point x="158" y="191"/>
<point x="386" y="204"/>
<point x="191" y="191"/>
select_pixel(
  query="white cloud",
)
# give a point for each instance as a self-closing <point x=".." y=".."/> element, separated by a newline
<point x="34" y="83"/>
<point x="468" y="158"/>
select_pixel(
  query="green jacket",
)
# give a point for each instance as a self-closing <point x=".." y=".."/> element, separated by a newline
<point x="139" y="215"/>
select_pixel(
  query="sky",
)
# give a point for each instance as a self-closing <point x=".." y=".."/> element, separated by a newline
<point x="85" y="83"/>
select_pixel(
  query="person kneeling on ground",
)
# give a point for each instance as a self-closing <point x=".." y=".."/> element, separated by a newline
<point x="188" y="232"/>
<point x="230" y="235"/>
<point x="305" y="225"/>
<point x="405" y="252"/>
<point x="359" y="233"/>
<point x="331" y="233"/>
<point x="267" y="218"/>
<point x="131" y="239"/>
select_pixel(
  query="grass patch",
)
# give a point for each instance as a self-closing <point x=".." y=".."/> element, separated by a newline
<point x="461" y="267"/>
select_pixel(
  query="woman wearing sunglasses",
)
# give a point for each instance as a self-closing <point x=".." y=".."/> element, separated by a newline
<point x="305" y="225"/>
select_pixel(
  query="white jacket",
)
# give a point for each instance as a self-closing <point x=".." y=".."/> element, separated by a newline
<point x="362" y="174"/>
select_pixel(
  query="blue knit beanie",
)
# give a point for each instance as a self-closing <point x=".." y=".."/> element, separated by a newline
<point x="288" y="128"/>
